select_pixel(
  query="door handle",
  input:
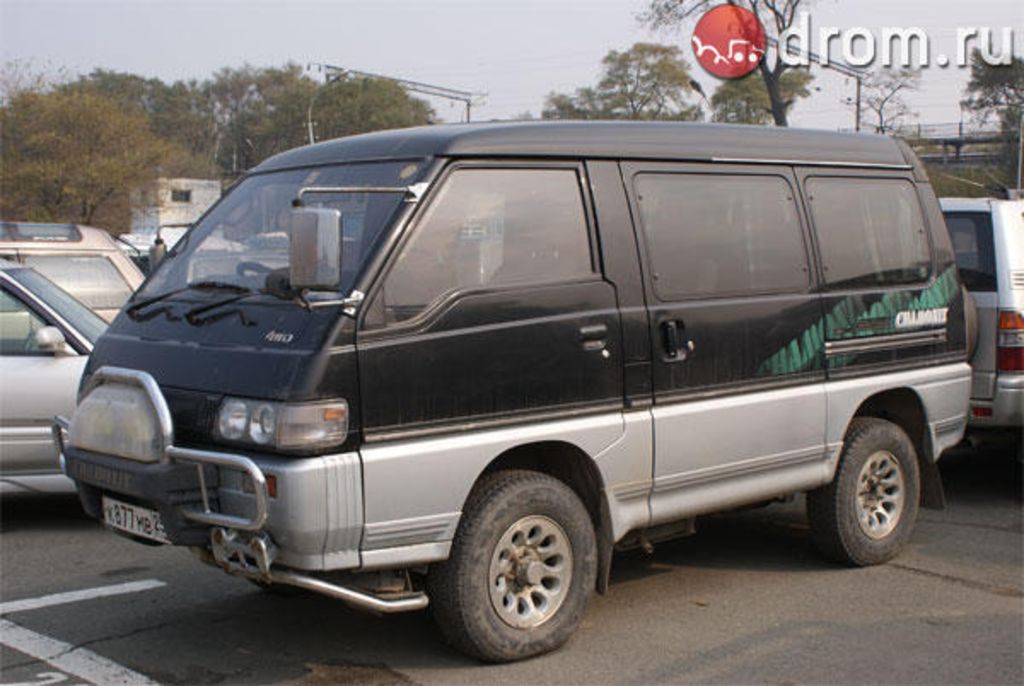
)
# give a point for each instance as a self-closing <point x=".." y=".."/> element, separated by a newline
<point x="593" y="336"/>
<point x="671" y="330"/>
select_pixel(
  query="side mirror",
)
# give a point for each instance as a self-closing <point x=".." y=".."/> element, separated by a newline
<point x="51" y="340"/>
<point x="315" y="248"/>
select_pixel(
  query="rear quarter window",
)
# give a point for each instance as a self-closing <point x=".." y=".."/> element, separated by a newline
<point x="971" y="233"/>
<point x="93" y="279"/>
<point x="870" y="231"/>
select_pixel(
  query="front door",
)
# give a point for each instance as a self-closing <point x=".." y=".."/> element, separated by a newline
<point x="736" y="333"/>
<point x="36" y="385"/>
<point x="494" y="310"/>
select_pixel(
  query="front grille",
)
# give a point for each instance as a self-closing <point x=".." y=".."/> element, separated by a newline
<point x="193" y="413"/>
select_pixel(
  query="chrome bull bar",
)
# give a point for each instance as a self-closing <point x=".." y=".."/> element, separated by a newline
<point x="173" y="453"/>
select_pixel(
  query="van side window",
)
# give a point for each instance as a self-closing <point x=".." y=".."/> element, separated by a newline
<point x="870" y="231"/>
<point x="719" y="234"/>
<point x="489" y="228"/>
<point x="971" y="233"/>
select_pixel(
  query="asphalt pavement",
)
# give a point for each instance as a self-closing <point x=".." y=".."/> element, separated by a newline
<point x="747" y="600"/>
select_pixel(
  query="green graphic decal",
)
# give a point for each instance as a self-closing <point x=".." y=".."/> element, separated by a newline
<point x="848" y="319"/>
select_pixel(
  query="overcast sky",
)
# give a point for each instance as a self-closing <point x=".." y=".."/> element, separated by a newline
<point x="514" y="50"/>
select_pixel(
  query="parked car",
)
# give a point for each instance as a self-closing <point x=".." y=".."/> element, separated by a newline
<point x="82" y="260"/>
<point x="45" y="338"/>
<point x="461" y="364"/>
<point x="988" y="238"/>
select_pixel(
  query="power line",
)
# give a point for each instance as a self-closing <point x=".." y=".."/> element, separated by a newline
<point x="333" y="73"/>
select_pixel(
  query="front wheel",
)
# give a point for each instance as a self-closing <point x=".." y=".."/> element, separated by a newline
<point x="867" y="513"/>
<point x="521" y="569"/>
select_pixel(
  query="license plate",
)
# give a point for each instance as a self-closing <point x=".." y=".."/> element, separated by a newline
<point x="135" y="520"/>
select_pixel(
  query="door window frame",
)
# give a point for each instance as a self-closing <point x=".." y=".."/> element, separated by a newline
<point x="438" y="306"/>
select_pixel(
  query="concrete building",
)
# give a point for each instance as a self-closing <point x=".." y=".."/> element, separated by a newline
<point x="172" y="201"/>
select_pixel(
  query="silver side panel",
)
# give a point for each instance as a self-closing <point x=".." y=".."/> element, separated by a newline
<point x="983" y="384"/>
<point x="414" y="490"/>
<point x="944" y="392"/>
<point x="401" y="532"/>
<point x="406" y="555"/>
<point x="627" y="470"/>
<point x="724" y="452"/>
<point x="316" y="520"/>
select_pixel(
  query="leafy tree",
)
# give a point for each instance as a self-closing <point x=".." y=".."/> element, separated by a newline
<point x="583" y="104"/>
<point x="648" y="81"/>
<point x="73" y="150"/>
<point x="997" y="91"/>
<point x="358" y="105"/>
<point x="181" y="113"/>
<point x="261" y="112"/>
<point x="73" y="156"/>
<point x="745" y="100"/>
<point x="883" y="100"/>
<point x="775" y="15"/>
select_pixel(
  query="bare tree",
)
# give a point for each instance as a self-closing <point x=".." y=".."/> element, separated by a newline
<point x="775" y="15"/>
<point x="883" y="97"/>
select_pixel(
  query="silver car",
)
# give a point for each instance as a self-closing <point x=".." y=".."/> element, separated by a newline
<point x="988" y="238"/>
<point x="46" y="336"/>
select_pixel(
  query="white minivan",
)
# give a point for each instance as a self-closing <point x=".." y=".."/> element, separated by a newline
<point x="988" y="238"/>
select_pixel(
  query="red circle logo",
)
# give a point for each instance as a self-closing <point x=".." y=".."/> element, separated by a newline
<point x="728" y="41"/>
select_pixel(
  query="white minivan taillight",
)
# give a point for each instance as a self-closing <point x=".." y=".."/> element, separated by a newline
<point x="1010" y="342"/>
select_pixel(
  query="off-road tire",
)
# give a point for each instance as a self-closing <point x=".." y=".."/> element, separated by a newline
<point x="459" y="587"/>
<point x="834" y="509"/>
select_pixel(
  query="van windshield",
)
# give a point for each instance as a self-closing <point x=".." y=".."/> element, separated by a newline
<point x="245" y="236"/>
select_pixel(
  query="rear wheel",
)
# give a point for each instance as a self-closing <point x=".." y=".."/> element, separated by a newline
<point x="521" y="569"/>
<point x="867" y="513"/>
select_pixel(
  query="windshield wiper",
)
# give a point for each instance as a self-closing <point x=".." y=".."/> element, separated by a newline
<point x="135" y="310"/>
<point x="194" y="316"/>
<point x="274" y="288"/>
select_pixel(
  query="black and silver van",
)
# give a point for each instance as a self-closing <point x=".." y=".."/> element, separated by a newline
<point x="459" y="365"/>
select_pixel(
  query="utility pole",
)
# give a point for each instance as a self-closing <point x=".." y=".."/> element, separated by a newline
<point x="857" y="119"/>
<point x="857" y="75"/>
<point x="333" y="73"/>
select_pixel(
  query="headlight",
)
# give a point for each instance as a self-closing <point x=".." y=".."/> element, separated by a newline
<point x="233" y="420"/>
<point x="288" y="427"/>
<point x="263" y="424"/>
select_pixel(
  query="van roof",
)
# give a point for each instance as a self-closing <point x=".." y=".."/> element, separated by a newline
<point x="25" y="235"/>
<point x="604" y="139"/>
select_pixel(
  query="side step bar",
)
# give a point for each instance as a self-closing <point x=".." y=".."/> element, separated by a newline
<point x="253" y="556"/>
<point x="359" y="599"/>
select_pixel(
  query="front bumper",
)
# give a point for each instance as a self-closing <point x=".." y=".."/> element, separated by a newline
<point x="315" y="519"/>
<point x="219" y="504"/>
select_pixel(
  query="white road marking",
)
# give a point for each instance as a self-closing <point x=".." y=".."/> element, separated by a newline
<point x="79" y="662"/>
<point x="75" y="596"/>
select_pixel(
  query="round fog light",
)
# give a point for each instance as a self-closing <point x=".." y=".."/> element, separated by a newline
<point x="264" y="421"/>
<point x="234" y="417"/>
